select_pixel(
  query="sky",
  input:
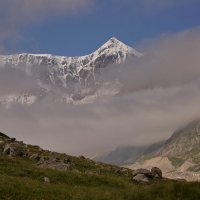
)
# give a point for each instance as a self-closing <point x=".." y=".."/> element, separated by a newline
<point x="78" y="27"/>
<point x="160" y="90"/>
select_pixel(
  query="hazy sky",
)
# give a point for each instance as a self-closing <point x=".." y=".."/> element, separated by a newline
<point x="77" y="27"/>
<point x="161" y="90"/>
<point x="160" y="95"/>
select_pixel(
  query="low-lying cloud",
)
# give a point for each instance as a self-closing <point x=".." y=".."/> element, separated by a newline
<point x="160" y="94"/>
<point x="13" y="81"/>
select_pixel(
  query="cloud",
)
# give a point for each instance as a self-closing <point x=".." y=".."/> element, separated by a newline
<point x="13" y="81"/>
<point x="150" y="6"/>
<point x="169" y="60"/>
<point x="19" y="11"/>
<point x="160" y="94"/>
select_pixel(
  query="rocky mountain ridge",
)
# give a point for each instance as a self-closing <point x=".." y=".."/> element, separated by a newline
<point x="75" y="77"/>
<point x="179" y="156"/>
<point x="128" y="154"/>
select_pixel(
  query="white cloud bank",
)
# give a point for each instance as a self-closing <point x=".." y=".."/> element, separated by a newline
<point x="160" y="94"/>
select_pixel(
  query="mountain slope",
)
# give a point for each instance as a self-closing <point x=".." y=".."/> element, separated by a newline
<point x="122" y="155"/>
<point x="128" y="154"/>
<point x="184" y="143"/>
<point x="76" y="77"/>
<point x="179" y="156"/>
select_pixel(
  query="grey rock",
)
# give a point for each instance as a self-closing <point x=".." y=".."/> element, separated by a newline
<point x="2" y="135"/>
<point x="42" y="159"/>
<point x="12" y="139"/>
<point x="2" y="146"/>
<point x="145" y="172"/>
<point x="56" y="165"/>
<point x="82" y="157"/>
<point x="92" y="173"/>
<point x="67" y="160"/>
<point x="122" y="171"/>
<point x="140" y="178"/>
<point x="54" y="157"/>
<point x="35" y="157"/>
<point x="14" y="149"/>
<point x="46" y="180"/>
<point x="156" y="172"/>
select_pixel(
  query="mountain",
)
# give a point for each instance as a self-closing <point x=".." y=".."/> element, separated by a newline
<point x="122" y="155"/>
<point x="128" y="154"/>
<point x="184" y="143"/>
<point x="179" y="156"/>
<point x="75" y="77"/>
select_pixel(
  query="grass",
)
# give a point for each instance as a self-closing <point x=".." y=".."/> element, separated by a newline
<point x="20" y="179"/>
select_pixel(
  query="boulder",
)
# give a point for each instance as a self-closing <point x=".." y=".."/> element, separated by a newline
<point x="140" y="178"/>
<point x="54" y="157"/>
<point x="46" y="180"/>
<point x="156" y="172"/>
<point x="35" y="157"/>
<point x="12" y="139"/>
<point x="2" y="135"/>
<point x="56" y="165"/>
<point x="145" y="172"/>
<point x="82" y="157"/>
<point x="14" y="149"/>
<point x="123" y="171"/>
<point x="2" y="146"/>
<point x="92" y="173"/>
<point x="67" y="160"/>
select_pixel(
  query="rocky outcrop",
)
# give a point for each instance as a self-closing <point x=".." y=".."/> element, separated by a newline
<point x="44" y="159"/>
<point x="156" y="172"/>
<point x="14" y="149"/>
<point x="9" y="146"/>
<point x="46" y="180"/>
<point x="56" y="165"/>
<point x="145" y="172"/>
<point x="145" y="176"/>
<point x="140" y="178"/>
<point x="2" y="135"/>
<point x="2" y="146"/>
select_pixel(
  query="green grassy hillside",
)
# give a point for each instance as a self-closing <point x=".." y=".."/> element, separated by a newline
<point x="22" y="178"/>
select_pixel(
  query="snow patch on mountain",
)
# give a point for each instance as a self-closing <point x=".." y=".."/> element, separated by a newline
<point x="77" y="77"/>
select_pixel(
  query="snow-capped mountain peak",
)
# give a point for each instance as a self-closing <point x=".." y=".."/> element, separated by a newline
<point x="114" y="43"/>
<point x="74" y="74"/>
<point x="115" y="46"/>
